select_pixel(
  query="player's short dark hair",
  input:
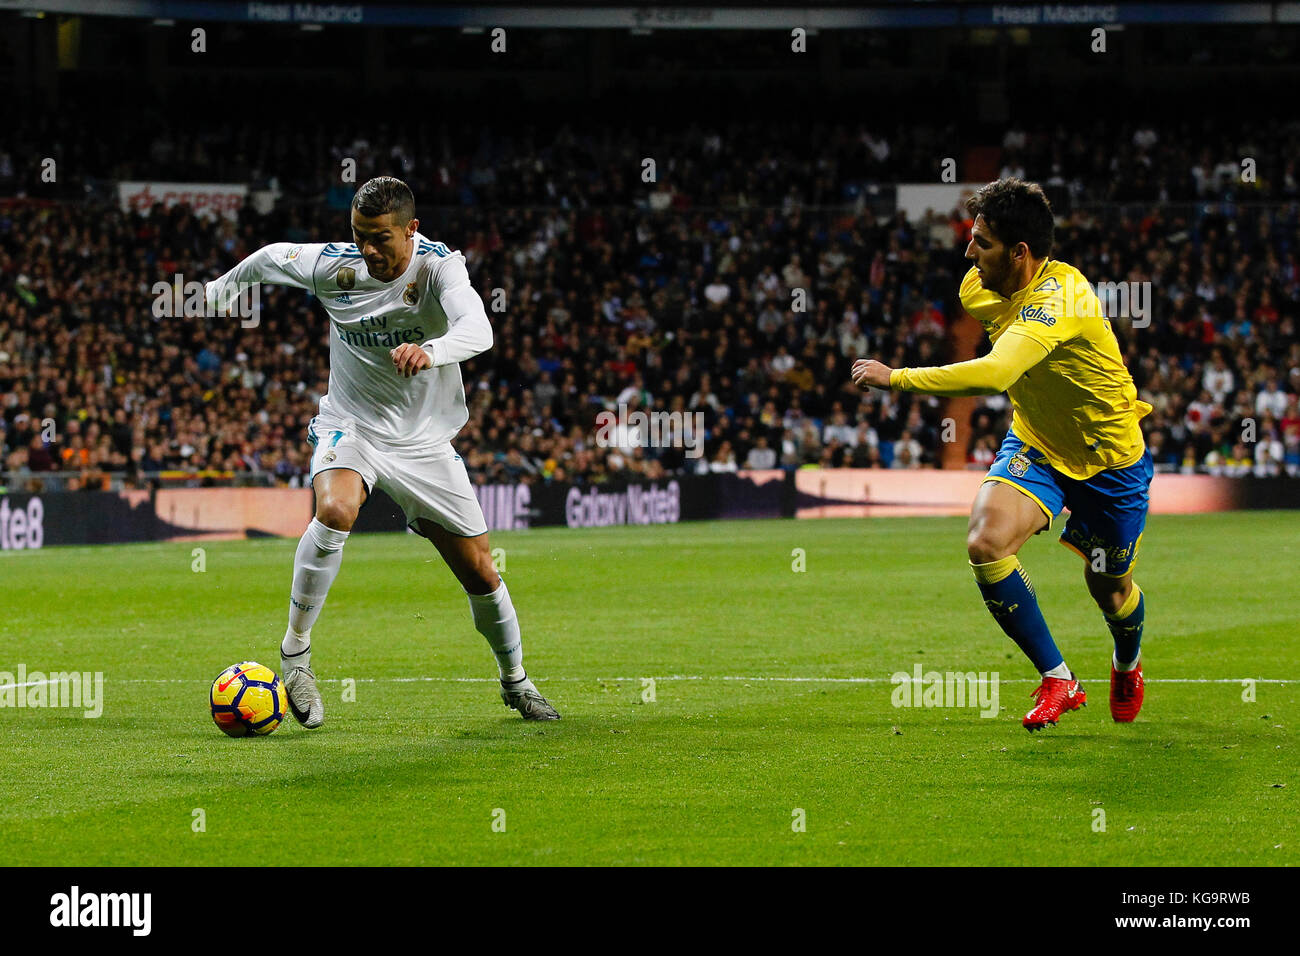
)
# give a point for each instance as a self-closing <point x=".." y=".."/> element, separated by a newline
<point x="385" y="194"/>
<point x="1016" y="211"/>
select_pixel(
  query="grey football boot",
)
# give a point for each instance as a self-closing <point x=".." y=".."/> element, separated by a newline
<point x="304" y="696"/>
<point x="524" y="697"/>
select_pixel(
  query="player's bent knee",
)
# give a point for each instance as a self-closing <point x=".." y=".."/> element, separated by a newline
<point x="336" y="513"/>
<point x="487" y="579"/>
<point x="479" y="582"/>
<point x="983" y="547"/>
<point x="1109" y="603"/>
<point x="1109" y="593"/>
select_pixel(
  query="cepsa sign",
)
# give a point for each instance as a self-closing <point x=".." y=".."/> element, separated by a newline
<point x="205" y="199"/>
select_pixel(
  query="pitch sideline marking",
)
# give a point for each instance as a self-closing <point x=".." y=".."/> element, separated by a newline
<point x="683" y="677"/>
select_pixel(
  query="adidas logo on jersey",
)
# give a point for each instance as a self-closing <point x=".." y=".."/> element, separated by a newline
<point x="343" y="298"/>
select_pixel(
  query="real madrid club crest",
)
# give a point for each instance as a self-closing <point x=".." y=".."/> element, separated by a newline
<point x="1018" y="465"/>
<point x="410" y="296"/>
<point x="347" y="278"/>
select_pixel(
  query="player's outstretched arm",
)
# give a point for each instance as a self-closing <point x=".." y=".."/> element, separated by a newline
<point x="280" y="263"/>
<point x="1012" y="356"/>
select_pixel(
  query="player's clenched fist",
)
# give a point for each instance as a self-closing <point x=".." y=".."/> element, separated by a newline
<point x="868" y="373"/>
<point x="410" y="358"/>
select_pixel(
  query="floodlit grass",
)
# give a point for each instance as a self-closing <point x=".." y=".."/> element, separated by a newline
<point x="752" y="717"/>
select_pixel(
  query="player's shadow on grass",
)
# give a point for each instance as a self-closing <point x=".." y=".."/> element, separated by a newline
<point x="1154" y="766"/>
<point x="483" y="731"/>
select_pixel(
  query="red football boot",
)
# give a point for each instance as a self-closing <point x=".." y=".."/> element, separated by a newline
<point x="1056" y="696"/>
<point x="1125" y="693"/>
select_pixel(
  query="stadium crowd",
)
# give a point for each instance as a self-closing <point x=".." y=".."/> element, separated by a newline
<point x="740" y="161"/>
<point x="738" y="288"/>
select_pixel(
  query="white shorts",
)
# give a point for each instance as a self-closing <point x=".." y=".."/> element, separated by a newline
<point x="425" y="484"/>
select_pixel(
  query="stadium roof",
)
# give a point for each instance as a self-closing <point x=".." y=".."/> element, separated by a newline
<point x="829" y="16"/>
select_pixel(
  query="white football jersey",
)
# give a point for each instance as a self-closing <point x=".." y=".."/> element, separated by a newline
<point x="431" y="304"/>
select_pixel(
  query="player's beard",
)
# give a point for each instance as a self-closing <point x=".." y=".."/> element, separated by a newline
<point x="994" y="277"/>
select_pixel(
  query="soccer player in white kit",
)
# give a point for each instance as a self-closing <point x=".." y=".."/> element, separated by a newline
<point x="403" y="315"/>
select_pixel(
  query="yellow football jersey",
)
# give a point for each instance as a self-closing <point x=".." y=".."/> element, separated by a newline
<point x="1079" y="405"/>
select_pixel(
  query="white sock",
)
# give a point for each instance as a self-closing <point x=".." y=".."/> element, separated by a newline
<point x="1131" y="665"/>
<point x="1060" y="670"/>
<point x="315" y="566"/>
<point x="495" y="619"/>
<point x="295" y="649"/>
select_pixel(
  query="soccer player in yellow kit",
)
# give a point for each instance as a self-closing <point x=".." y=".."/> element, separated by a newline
<point x="1074" y="440"/>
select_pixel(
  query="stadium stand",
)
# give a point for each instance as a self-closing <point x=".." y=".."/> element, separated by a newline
<point x="673" y="296"/>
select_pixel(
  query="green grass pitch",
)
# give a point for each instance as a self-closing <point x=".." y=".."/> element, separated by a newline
<point x="753" y="718"/>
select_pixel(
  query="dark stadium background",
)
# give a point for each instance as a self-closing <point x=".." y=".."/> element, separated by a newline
<point x="775" y="170"/>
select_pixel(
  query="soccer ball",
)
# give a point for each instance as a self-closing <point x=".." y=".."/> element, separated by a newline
<point x="248" y="700"/>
